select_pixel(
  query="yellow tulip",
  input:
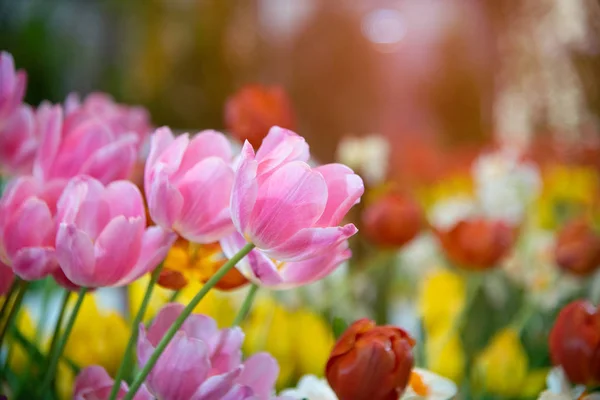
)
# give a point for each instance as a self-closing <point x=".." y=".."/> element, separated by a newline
<point x="445" y="356"/>
<point x="441" y="299"/>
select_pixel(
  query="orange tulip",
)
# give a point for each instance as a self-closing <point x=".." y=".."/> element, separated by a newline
<point x="577" y="248"/>
<point x="370" y="362"/>
<point x="477" y="244"/>
<point x="187" y="261"/>
<point x="392" y="220"/>
<point x="575" y="342"/>
<point x="254" y="109"/>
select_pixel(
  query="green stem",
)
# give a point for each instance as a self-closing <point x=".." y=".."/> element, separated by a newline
<point x="139" y="380"/>
<point x="8" y="297"/>
<point x="126" y="361"/>
<point x="246" y="305"/>
<point x="14" y="309"/>
<point x="174" y="296"/>
<point x="59" y="321"/>
<point x="523" y="316"/>
<point x="56" y="354"/>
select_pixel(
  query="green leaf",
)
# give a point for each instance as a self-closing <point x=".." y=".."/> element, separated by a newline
<point x="339" y="326"/>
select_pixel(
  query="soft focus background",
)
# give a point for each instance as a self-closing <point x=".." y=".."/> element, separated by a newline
<point x="455" y="73"/>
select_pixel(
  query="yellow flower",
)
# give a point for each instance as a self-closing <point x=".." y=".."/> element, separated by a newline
<point x="458" y="185"/>
<point x="300" y="340"/>
<point x="445" y="355"/>
<point x="441" y="299"/>
<point x="502" y="367"/>
<point x="19" y="357"/>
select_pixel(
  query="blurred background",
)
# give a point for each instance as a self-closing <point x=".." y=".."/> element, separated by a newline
<point x="430" y="75"/>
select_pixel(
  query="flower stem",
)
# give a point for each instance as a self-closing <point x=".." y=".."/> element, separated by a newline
<point x="22" y="287"/>
<point x="55" y="355"/>
<point x="8" y="297"/>
<point x="126" y="361"/>
<point x="59" y="321"/>
<point x="174" y="296"/>
<point x="139" y="380"/>
<point x="246" y="305"/>
<point x="523" y="316"/>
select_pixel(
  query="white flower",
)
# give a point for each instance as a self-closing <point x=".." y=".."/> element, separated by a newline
<point x="312" y="388"/>
<point x="369" y="155"/>
<point x="446" y="213"/>
<point x="559" y="388"/>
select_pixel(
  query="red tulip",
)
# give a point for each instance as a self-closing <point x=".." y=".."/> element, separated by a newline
<point x="578" y="248"/>
<point x="254" y="109"/>
<point x="575" y="342"/>
<point x="370" y="362"/>
<point x="477" y="244"/>
<point x="392" y="220"/>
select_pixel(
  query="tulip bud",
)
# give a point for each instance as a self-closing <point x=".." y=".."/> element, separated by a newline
<point x="254" y="109"/>
<point x="575" y="342"/>
<point x="370" y="362"/>
<point x="392" y="220"/>
<point x="477" y="244"/>
<point x="578" y="248"/>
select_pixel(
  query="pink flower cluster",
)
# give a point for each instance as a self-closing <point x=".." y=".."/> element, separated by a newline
<point x="200" y="363"/>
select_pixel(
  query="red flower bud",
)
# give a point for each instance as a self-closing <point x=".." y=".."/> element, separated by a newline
<point x="575" y="342"/>
<point x="577" y="248"/>
<point x="477" y="244"/>
<point x="392" y="220"/>
<point x="254" y="109"/>
<point x="370" y="362"/>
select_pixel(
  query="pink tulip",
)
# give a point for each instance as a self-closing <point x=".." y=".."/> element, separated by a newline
<point x="12" y="86"/>
<point x="287" y="209"/>
<point x="261" y="269"/>
<point x="18" y="142"/>
<point x="6" y="278"/>
<point x="102" y="239"/>
<point x="28" y="227"/>
<point x="94" y="383"/>
<point x="188" y="184"/>
<point x="86" y="146"/>
<point x="203" y="362"/>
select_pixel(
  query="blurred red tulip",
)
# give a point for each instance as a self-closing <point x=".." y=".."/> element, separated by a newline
<point x="477" y="244"/>
<point x="370" y="362"/>
<point x="575" y="342"/>
<point x="392" y="220"/>
<point x="577" y="248"/>
<point x="254" y="109"/>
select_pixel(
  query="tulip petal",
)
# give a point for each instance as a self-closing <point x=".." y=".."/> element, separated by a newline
<point x="216" y="387"/>
<point x="293" y="197"/>
<point x="260" y="373"/>
<point x="18" y="232"/>
<point x="226" y="351"/>
<point x="161" y="140"/>
<point x="245" y="189"/>
<point x="164" y="200"/>
<point x="81" y="203"/>
<point x="196" y="325"/>
<point x="344" y="190"/>
<point x="238" y="392"/>
<point x="32" y="263"/>
<point x="117" y="250"/>
<point x="113" y="161"/>
<point x="49" y="120"/>
<point x="311" y="242"/>
<point x="203" y="145"/>
<point x="279" y="147"/>
<point x="75" y="254"/>
<point x="314" y="269"/>
<point x="125" y="199"/>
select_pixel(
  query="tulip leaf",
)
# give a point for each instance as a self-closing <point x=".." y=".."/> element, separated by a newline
<point x="339" y="326"/>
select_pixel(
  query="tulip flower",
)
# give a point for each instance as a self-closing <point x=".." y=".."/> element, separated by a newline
<point x="254" y="109"/>
<point x="12" y="86"/>
<point x="392" y="220"/>
<point x="194" y="262"/>
<point x="94" y="383"/>
<point x="28" y="227"/>
<point x="575" y="342"/>
<point x="188" y="184"/>
<point x="289" y="210"/>
<point x="477" y="243"/>
<point x="577" y="248"/>
<point x="203" y="362"/>
<point x="73" y="146"/>
<point x="18" y="142"/>
<point x="370" y="362"/>
<point x="102" y="238"/>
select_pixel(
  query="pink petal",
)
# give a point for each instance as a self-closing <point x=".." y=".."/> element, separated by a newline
<point x="75" y="254"/>
<point x="311" y="242"/>
<point x="226" y="352"/>
<point x="245" y="189"/>
<point x="164" y="200"/>
<point x="292" y="198"/>
<point x="32" y="263"/>
<point x="18" y="232"/>
<point x="125" y="199"/>
<point x="344" y="190"/>
<point x="172" y="156"/>
<point x="216" y="387"/>
<point x="117" y="250"/>
<point x="113" y="161"/>
<point x="160" y="140"/>
<point x="280" y="146"/>
<point x="156" y="243"/>
<point x="260" y="373"/>
<point x="15" y="194"/>
<point x="18" y="144"/>
<point x="202" y="146"/>
<point x="310" y="270"/>
<point x="206" y="191"/>
<point x="180" y="369"/>
<point x="92" y="382"/>
<point x="49" y="120"/>
<point x="238" y="392"/>
<point x="60" y="278"/>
